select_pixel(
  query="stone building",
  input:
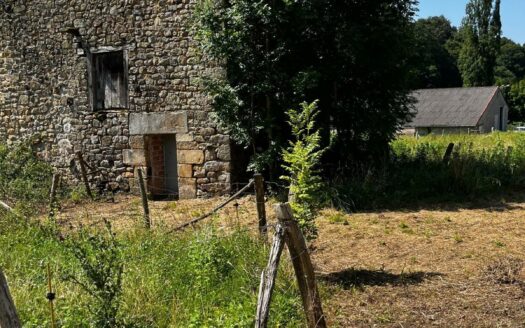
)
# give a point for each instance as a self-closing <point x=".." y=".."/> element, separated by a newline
<point x="459" y="110"/>
<point x="117" y="80"/>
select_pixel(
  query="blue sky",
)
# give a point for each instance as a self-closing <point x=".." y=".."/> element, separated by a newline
<point x="512" y="14"/>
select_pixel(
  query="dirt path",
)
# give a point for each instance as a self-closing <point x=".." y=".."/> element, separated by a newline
<point x="426" y="268"/>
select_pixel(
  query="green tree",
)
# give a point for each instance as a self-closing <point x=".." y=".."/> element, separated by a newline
<point x="481" y="31"/>
<point x="434" y="65"/>
<point x="351" y="55"/>
<point x="510" y="63"/>
<point x="515" y="96"/>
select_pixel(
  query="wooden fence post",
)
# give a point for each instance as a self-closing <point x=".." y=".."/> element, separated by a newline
<point x="83" y="171"/>
<point x="448" y="153"/>
<point x="302" y="266"/>
<point x="259" y="198"/>
<point x="50" y="296"/>
<point x="8" y="315"/>
<point x="268" y="277"/>
<point x="145" y="206"/>
<point x="53" y="194"/>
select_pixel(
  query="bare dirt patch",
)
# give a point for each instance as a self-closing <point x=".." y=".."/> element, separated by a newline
<point x="424" y="268"/>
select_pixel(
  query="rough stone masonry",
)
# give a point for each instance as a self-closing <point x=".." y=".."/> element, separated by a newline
<point x="114" y="79"/>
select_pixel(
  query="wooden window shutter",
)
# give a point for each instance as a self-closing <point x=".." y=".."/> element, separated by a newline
<point x="110" y="81"/>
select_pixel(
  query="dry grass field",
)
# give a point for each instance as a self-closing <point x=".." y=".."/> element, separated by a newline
<point x="459" y="266"/>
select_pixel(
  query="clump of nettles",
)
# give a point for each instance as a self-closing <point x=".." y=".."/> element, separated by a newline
<point x="301" y="161"/>
<point x="101" y="261"/>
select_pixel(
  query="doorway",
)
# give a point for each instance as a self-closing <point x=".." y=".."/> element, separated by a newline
<point x="162" y="165"/>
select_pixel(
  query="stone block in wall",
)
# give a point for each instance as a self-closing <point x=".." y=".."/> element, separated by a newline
<point x="186" y="145"/>
<point x="187" y="188"/>
<point x="134" y="157"/>
<point x="220" y="139"/>
<point x="185" y="170"/>
<point x="224" y="153"/>
<point x="190" y="156"/>
<point x="213" y="166"/>
<point x="136" y="142"/>
<point x="158" y="123"/>
<point x="185" y="137"/>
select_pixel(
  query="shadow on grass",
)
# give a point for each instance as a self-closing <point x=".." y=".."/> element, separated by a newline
<point x="496" y="202"/>
<point x="359" y="278"/>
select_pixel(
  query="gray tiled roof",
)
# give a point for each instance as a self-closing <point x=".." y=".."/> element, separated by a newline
<point x="454" y="107"/>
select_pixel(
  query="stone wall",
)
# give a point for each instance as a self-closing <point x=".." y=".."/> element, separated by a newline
<point x="44" y="91"/>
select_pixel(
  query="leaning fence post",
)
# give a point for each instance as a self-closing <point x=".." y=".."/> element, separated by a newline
<point x="8" y="315"/>
<point x="302" y="265"/>
<point x="53" y="194"/>
<point x="145" y="206"/>
<point x="259" y="198"/>
<point x="448" y="153"/>
<point x="83" y="171"/>
<point x="268" y="277"/>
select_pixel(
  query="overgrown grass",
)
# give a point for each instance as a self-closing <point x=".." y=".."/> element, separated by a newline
<point x="196" y="279"/>
<point x="139" y="278"/>
<point x="480" y="165"/>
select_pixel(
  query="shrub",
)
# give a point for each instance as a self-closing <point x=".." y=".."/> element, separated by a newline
<point x="100" y="259"/>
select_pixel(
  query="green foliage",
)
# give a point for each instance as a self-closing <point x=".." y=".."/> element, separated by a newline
<point x="515" y="96"/>
<point x="481" y="31"/>
<point x="78" y="193"/>
<point x="100" y="258"/>
<point x="25" y="250"/>
<point x="243" y="35"/>
<point x="206" y="278"/>
<point x="301" y="162"/>
<point x="480" y="166"/>
<point x="25" y="180"/>
<point x="434" y="65"/>
<point x="351" y="55"/>
<point x="510" y="63"/>
<point x="338" y="218"/>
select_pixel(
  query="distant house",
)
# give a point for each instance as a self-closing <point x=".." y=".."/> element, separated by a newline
<point x="459" y="110"/>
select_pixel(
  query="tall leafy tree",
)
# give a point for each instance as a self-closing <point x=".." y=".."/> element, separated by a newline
<point x="510" y="63"/>
<point x="434" y="65"/>
<point x="481" y="30"/>
<point x="510" y="74"/>
<point x="350" y="55"/>
<point x="515" y="96"/>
